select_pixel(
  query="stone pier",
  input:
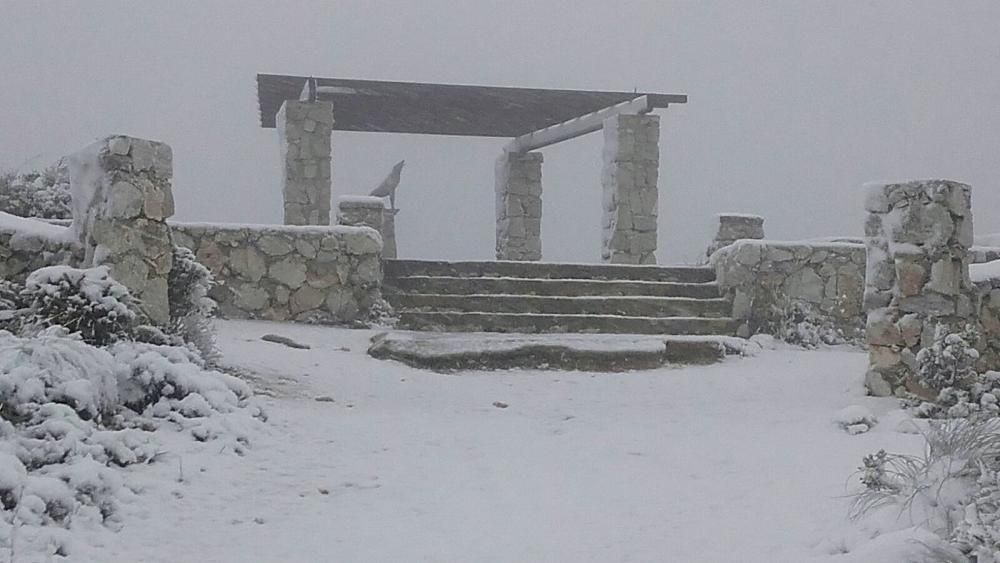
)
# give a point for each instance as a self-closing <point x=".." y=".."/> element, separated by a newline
<point x="631" y="168"/>
<point x="121" y="200"/>
<point x="734" y="227"/>
<point x="389" y="251"/>
<point x="360" y="211"/>
<point x="519" y="206"/>
<point x="917" y="275"/>
<point x="304" y="133"/>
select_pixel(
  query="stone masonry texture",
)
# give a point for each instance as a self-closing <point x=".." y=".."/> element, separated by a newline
<point x="519" y="206"/>
<point x="304" y="133"/>
<point x="629" y="181"/>
<point x="917" y="275"/>
<point x="302" y="273"/>
<point x="124" y="225"/>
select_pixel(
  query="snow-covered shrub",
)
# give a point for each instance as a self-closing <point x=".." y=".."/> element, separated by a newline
<point x="191" y="308"/>
<point x="802" y="325"/>
<point x="85" y="301"/>
<point x="37" y="194"/>
<point x="949" y="361"/>
<point x="70" y="412"/>
<point x="951" y="490"/>
<point x="52" y="368"/>
<point x="947" y="368"/>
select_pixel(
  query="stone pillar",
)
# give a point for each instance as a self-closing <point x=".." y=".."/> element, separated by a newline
<point x="304" y="132"/>
<point x="519" y="206"/>
<point x="631" y="167"/>
<point x="360" y="211"/>
<point x="389" y="234"/>
<point x="917" y="274"/>
<point x="121" y="200"/>
<point x="734" y="227"/>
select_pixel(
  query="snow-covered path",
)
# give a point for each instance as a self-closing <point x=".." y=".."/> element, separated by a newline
<point x="733" y="462"/>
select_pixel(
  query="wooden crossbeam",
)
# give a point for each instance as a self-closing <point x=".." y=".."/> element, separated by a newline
<point x="578" y="126"/>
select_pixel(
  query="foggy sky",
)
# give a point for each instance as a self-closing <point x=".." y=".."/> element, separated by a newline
<point x="793" y="104"/>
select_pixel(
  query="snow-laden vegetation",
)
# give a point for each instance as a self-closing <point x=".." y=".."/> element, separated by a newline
<point x="81" y="396"/>
<point x="42" y="194"/>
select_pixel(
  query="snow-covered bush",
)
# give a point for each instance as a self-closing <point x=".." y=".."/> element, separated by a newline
<point x="191" y="308"/>
<point x="70" y="411"/>
<point x="85" y="301"/>
<point x="947" y="368"/>
<point x="949" y="361"/>
<point x="43" y="194"/>
<point x="802" y="325"/>
<point x="952" y="490"/>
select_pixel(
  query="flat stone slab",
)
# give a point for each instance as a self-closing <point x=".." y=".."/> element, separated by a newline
<point x="581" y="352"/>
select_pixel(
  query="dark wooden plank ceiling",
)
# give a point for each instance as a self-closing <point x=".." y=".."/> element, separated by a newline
<point x="443" y="109"/>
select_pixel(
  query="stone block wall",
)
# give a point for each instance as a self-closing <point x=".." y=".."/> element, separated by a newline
<point x="121" y="199"/>
<point x="919" y="235"/>
<point x="304" y="134"/>
<point x="519" y="206"/>
<point x="302" y="273"/>
<point x="733" y="227"/>
<point x="27" y="245"/>
<point x="629" y="182"/>
<point x="988" y="315"/>
<point x="771" y="283"/>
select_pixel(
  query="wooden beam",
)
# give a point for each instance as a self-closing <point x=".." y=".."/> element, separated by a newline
<point x="578" y="126"/>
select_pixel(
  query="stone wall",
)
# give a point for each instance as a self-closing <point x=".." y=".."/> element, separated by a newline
<point x="629" y="182"/>
<point x="121" y="200"/>
<point x="304" y="133"/>
<point x="27" y="244"/>
<point x="303" y="273"/>
<point x="919" y="234"/>
<point x="773" y="283"/>
<point x="518" y="191"/>
<point x="360" y="211"/>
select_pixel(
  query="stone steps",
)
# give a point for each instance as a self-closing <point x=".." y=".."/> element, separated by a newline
<point x="533" y="297"/>
<point x="548" y="270"/>
<point x="635" y="306"/>
<point x="453" y="285"/>
<point x="538" y="323"/>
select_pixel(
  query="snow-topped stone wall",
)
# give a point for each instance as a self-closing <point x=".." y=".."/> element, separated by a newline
<point x="733" y="227"/>
<point x="279" y="273"/>
<point x="919" y="234"/>
<point x="776" y="286"/>
<point x="986" y="279"/>
<point x="27" y="245"/>
<point x="121" y="199"/>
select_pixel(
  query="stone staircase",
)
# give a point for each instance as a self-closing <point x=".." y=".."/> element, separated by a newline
<point x="535" y="297"/>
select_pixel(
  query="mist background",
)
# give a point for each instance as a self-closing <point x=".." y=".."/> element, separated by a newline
<point x="793" y="104"/>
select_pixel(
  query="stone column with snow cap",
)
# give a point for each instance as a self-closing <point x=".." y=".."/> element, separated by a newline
<point x="917" y="275"/>
<point x="304" y="133"/>
<point x="519" y="206"/>
<point x="629" y="180"/>
<point x="360" y="211"/>
<point x="121" y="199"/>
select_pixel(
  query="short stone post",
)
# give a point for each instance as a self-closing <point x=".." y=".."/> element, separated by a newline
<point x="389" y="234"/>
<point x="519" y="206"/>
<point x="121" y="200"/>
<point x="917" y="274"/>
<point x="629" y="178"/>
<point x="734" y="227"/>
<point x="304" y="132"/>
<point x="360" y="211"/>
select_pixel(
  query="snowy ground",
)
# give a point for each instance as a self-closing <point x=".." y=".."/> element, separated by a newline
<point x="733" y="462"/>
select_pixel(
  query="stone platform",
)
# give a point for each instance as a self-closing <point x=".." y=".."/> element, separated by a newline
<point x="592" y="352"/>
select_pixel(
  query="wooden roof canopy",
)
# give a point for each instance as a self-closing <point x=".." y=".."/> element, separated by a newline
<point x="445" y="109"/>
